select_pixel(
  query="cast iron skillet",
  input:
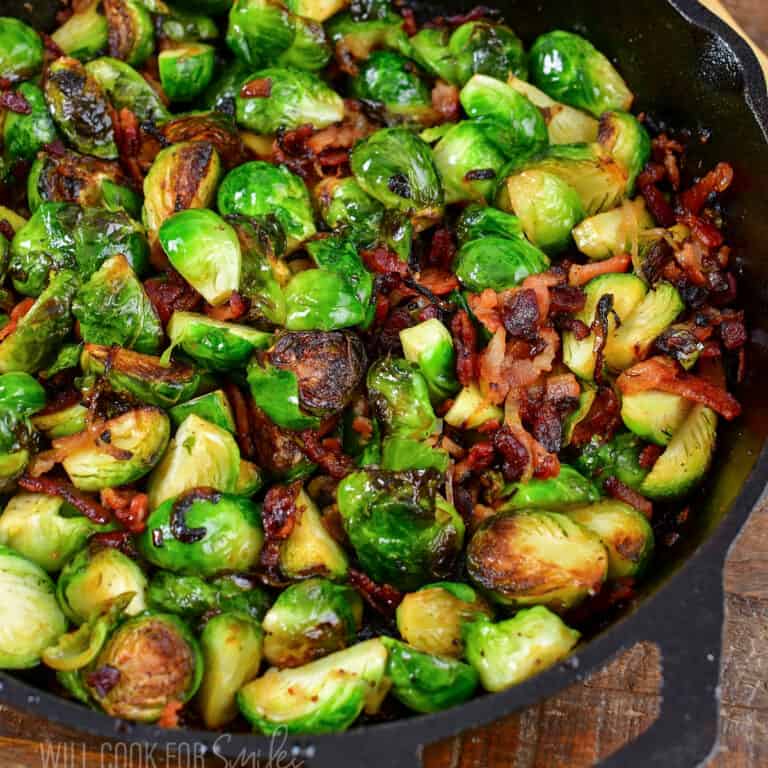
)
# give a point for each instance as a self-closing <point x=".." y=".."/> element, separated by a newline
<point x="688" y="66"/>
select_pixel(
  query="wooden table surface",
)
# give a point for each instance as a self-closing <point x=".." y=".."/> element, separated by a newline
<point x="586" y="721"/>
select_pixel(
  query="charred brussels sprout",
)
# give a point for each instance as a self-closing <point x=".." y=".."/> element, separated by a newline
<point x="431" y="619"/>
<point x="183" y="176"/>
<point x="488" y="49"/>
<point x="324" y="696"/>
<point x="37" y="336"/>
<point x="402" y="531"/>
<point x="427" y="683"/>
<point x="84" y="34"/>
<point x="531" y="557"/>
<point x="570" y="69"/>
<point x="395" y="166"/>
<point x="231" y="645"/>
<point x="90" y="581"/>
<point x="44" y="529"/>
<point x="295" y="98"/>
<point x="497" y="263"/>
<point x="112" y="308"/>
<point x="80" y="108"/>
<point x="186" y="70"/>
<point x="25" y="134"/>
<point x="511" y="651"/>
<point x="131" y="31"/>
<point x="627" y="142"/>
<point x="203" y="531"/>
<point x="21" y="50"/>
<point x="157" y="661"/>
<point x="311" y="619"/>
<point x="200" y="455"/>
<point x="260" y="189"/>
<point x="126" y="450"/>
<point x="30" y="617"/>
<point x="205" y="250"/>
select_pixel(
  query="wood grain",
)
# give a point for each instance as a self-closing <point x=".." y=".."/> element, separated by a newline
<point x="573" y="729"/>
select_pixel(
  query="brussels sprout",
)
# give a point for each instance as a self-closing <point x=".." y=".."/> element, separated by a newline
<point x="30" y="617"/>
<point x="80" y="108"/>
<point x="37" y="335"/>
<point x="345" y="206"/>
<point x="653" y="415"/>
<point x="112" y="308"/>
<point x="400" y="395"/>
<point x="142" y="376"/>
<point x="213" y="407"/>
<point x="430" y="345"/>
<point x="565" y="125"/>
<point x="21" y="50"/>
<point x="203" y="531"/>
<point x="231" y="645"/>
<point x="127" y="88"/>
<point x="205" y="250"/>
<point x="613" y="232"/>
<point x="260" y="189"/>
<point x="356" y="37"/>
<point x="200" y="455"/>
<point x="277" y="392"/>
<point x="395" y="166"/>
<point x="324" y="696"/>
<point x="84" y="34"/>
<point x="488" y="49"/>
<point x="25" y="134"/>
<point x="63" y="422"/>
<point x="479" y="221"/>
<point x="182" y="27"/>
<point x="627" y="142"/>
<point x="570" y="69"/>
<point x="20" y="397"/>
<point x="131" y="32"/>
<point x="536" y="558"/>
<point x="403" y="533"/>
<point x="311" y="619"/>
<point x="498" y="263"/>
<point x="183" y="176"/>
<point x="619" y="458"/>
<point x="186" y="70"/>
<point x="309" y="49"/>
<point x="317" y="10"/>
<point x="566" y="489"/>
<point x="399" y="454"/>
<point x="259" y="31"/>
<point x="295" y="98"/>
<point x="67" y="358"/>
<point x="157" y="661"/>
<point x="127" y="449"/>
<point x="468" y="162"/>
<point x="44" y="529"/>
<point x="431" y="619"/>
<point x="90" y="581"/>
<point x="511" y="651"/>
<point x="429" y="48"/>
<point x="471" y="410"/>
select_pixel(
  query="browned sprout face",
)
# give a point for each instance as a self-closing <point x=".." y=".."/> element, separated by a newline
<point x="215" y="128"/>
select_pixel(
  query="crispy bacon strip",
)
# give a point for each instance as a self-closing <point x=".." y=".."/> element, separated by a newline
<point x="383" y="598"/>
<point x="618" y="490"/>
<point x="717" y="181"/>
<point x="438" y="281"/>
<point x="241" y="413"/>
<point x="485" y="307"/>
<point x="664" y="374"/>
<point x="465" y="341"/>
<point x="129" y="507"/>
<point x="579" y="274"/>
<point x="82" y="502"/>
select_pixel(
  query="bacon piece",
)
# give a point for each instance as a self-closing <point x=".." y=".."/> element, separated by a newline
<point x="566" y="299"/>
<point x="579" y="274"/>
<point x="465" y="342"/>
<point x="169" y="717"/>
<point x="82" y="502"/>
<point x="170" y="293"/>
<point x="520" y="314"/>
<point x="657" y="204"/>
<point x="410" y="27"/>
<point x="243" y="425"/>
<point x="279" y="511"/>
<point x="383" y="598"/>
<point x="440" y="282"/>
<point x="664" y="374"/>
<point x="485" y="307"/>
<point x="235" y="308"/>
<point x="649" y="455"/>
<point x="122" y="540"/>
<point x="445" y="101"/>
<point x="541" y="284"/>
<point x="383" y="261"/>
<point x="328" y="454"/>
<point x="618" y="490"/>
<point x="703" y="231"/>
<point x="480" y="457"/>
<point x="129" y="507"/>
<point x="562" y="386"/>
<point x="602" y="420"/>
<point x="514" y="454"/>
<point x="258" y="88"/>
<point x="715" y="182"/>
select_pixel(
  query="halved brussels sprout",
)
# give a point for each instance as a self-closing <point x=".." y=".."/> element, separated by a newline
<point x="80" y="108"/>
<point x="511" y="651"/>
<point x="142" y="376"/>
<point x="654" y="415"/>
<point x="498" y="263"/>
<point x="183" y="176"/>
<point x="217" y="345"/>
<point x="429" y="47"/>
<point x="25" y="134"/>
<point x="30" y="617"/>
<point x="570" y="69"/>
<point x="310" y="550"/>
<point x="613" y="232"/>
<point x="567" y="489"/>
<point x="276" y="392"/>
<point x="259" y="31"/>
<point x="203" y="531"/>
<point x="479" y="221"/>
<point x="345" y="206"/>
<point x="623" y="137"/>
<point x="399" y="454"/>
<point x="259" y="189"/>
<point x="311" y="619"/>
<point x="402" y="531"/>
<point x="156" y="659"/>
<point x="84" y="34"/>
<point x="200" y="455"/>
<point x="295" y="98"/>
<point x="231" y="645"/>
<point x="127" y="88"/>
<point x="205" y="250"/>
<point x="127" y="449"/>
<point x="325" y="696"/>
<point x="45" y="529"/>
<point x="34" y="341"/>
<point x="21" y="50"/>
<point x="357" y="35"/>
<point x="20" y="397"/>
<point x="431" y="619"/>
<point x="536" y="558"/>
<point x="396" y="167"/>
<point x="113" y="309"/>
<point x="90" y="581"/>
<point x="131" y="32"/>
<point x="186" y="70"/>
<point x="626" y="535"/>
<point x="309" y="49"/>
<point x="213" y="407"/>
<point x="619" y="458"/>
<point x="486" y="48"/>
<point x="471" y="410"/>
<point x="62" y="422"/>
